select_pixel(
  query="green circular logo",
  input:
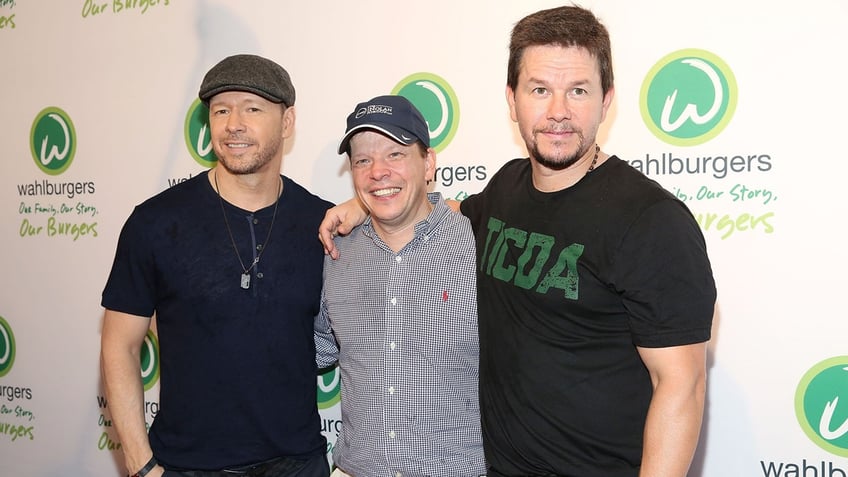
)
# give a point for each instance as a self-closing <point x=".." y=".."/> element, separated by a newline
<point x="329" y="388"/>
<point x="7" y="347"/>
<point x="198" y="138"/>
<point x="821" y="405"/>
<point x="149" y="361"/>
<point x="52" y="141"/>
<point x="688" y="97"/>
<point x="436" y="100"/>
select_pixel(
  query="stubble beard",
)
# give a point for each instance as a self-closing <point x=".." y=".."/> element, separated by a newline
<point x="556" y="162"/>
<point x="254" y="163"/>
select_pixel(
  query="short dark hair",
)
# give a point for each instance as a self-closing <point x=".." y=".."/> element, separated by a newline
<point x="562" y="26"/>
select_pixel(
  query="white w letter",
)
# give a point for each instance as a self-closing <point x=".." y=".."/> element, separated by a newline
<point x="691" y="110"/>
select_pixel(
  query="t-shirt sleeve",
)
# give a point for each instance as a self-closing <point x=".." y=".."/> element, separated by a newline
<point x="470" y="207"/>
<point x="666" y="280"/>
<point x="129" y="288"/>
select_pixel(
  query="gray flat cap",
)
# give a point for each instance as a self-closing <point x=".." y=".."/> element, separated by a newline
<point x="250" y="73"/>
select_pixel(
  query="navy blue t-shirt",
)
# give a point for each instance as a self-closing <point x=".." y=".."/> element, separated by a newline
<point x="238" y="373"/>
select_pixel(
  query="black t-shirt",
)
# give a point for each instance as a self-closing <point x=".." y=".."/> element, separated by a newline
<point x="569" y="283"/>
<point x="237" y="365"/>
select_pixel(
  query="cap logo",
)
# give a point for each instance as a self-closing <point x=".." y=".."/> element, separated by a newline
<point x="376" y="109"/>
<point x="403" y="136"/>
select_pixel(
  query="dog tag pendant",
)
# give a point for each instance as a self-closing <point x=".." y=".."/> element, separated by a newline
<point x="245" y="280"/>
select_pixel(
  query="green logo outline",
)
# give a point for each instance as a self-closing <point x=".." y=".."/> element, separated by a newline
<point x="815" y="402"/>
<point x="329" y="394"/>
<point x="438" y="103"/>
<point x="197" y="134"/>
<point x="8" y="348"/>
<point x="690" y="126"/>
<point x="149" y="360"/>
<point x="41" y="132"/>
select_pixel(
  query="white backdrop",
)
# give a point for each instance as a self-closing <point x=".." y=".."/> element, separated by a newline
<point x="122" y="76"/>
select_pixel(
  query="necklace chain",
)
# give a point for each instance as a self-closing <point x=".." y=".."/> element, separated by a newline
<point x="595" y="159"/>
<point x="245" y="276"/>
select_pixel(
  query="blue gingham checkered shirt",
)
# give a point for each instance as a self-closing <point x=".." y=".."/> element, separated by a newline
<point x="404" y="331"/>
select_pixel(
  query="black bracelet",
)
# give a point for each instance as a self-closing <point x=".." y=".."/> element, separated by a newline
<point x="147" y="467"/>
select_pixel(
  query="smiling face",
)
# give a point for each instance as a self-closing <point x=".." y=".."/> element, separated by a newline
<point x="558" y="103"/>
<point x="248" y="131"/>
<point x="390" y="179"/>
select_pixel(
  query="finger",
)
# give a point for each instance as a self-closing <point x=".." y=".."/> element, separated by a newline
<point x="326" y="237"/>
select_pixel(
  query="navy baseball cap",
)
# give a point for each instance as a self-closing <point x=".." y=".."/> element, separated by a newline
<point x="391" y="115"/>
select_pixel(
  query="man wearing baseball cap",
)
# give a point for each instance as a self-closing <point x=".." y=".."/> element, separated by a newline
<point x="228" y="263"/>
<point x="399" y="309"/>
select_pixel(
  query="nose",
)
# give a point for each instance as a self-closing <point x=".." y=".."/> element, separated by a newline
<point x="559" y="108"/>
<point x="234" y="122"/>
<point x="379" y="170"/>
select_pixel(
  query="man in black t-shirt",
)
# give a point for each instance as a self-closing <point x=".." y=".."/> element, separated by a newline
<point x="228" y="263"/>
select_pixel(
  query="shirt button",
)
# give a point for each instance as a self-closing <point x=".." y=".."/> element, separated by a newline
<point x="398" y="474"/>
<point x="394" y="301"/>
<point x="392" y="346"/>
<point x="259" y="247"/>
<point x="398" y="259"/>
<point x="260" y="275"/>
<point x="391" y="389"/>
<point x="392" y="434"/>
<point x="255" y="221"/>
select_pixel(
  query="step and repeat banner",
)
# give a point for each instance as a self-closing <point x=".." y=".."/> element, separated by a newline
<point x="735" y="107"/>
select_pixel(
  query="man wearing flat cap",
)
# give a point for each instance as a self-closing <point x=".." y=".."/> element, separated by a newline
<point x="399" y="309"/>
<point x="229" y="265"/>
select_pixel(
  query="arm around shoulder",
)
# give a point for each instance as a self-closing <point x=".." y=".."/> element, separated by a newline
<point x="340" y="220"/>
